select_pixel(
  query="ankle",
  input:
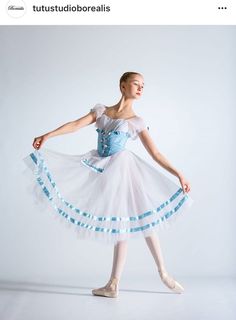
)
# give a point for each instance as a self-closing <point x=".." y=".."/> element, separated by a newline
<point x="162" y="271"/>
<point x="114" y="280"/>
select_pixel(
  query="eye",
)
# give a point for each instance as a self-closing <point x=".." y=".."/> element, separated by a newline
<point x="136" y="83"/>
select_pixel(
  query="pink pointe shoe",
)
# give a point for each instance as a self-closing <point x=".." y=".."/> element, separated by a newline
<point x="171" y="283"/>
<point x="110" y="290"/>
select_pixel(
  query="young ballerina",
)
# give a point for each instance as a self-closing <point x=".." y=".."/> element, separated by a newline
<point x="110" y="193"/>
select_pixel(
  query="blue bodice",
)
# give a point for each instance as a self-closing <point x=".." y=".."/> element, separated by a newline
<point x="111" y="141"/>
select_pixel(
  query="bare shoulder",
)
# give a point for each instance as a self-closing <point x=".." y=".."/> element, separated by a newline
<point x="108" y="107"/>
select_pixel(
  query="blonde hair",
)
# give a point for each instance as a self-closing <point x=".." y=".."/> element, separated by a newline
<point x="126" y="75"/>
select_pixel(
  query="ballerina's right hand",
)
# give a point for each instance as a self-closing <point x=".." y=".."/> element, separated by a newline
<point x="185" y="184"/>
<point x="38" y="141"/>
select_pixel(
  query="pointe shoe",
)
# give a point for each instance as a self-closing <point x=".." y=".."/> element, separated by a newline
<point x="171" y="283"/>
<point x="110" y="290"/>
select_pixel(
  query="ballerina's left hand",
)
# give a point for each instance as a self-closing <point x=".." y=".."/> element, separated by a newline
<point x="185" y="184"/>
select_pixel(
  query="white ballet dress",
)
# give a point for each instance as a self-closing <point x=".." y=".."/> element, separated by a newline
<point x="107" y="194"/>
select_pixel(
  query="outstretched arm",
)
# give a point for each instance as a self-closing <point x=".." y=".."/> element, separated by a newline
<point x="68" y="127"/>
<point x="160" y="159"/>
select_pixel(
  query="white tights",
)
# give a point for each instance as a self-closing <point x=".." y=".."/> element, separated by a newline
<point x="120" y="253"/>
<point x="119" y="257"/>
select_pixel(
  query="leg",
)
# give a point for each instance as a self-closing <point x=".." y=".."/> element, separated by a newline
<point x="119" y="256"/>
<point x="155" y="248"/>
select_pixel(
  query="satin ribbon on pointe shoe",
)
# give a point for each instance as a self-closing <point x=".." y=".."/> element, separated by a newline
<point x="110" y="290"/>
<point x="170" y="282"/>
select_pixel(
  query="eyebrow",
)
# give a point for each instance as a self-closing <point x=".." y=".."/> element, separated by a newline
<point x="137" y="80"/>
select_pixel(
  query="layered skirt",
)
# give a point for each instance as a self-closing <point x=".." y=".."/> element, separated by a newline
<point x="105" y="199"/>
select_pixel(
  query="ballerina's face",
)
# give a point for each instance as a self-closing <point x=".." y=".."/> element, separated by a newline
<point x="133" y="87"/>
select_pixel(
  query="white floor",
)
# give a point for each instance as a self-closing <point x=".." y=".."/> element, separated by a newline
<point x="210" y="298"/>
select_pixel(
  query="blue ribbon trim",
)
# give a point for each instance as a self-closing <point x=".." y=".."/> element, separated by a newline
<point x="104" y="218"/>
<point x="94" y="168"/>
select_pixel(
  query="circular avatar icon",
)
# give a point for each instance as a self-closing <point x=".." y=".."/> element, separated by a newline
<point x="16" y="8"/>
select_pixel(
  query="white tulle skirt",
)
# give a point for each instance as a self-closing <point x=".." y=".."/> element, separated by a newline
<point x="106" y="199"/>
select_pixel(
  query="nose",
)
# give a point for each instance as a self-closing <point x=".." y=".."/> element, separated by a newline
<point x="140" y="88"/>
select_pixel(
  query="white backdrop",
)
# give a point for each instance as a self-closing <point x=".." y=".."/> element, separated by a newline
<point x="54" y="74"/>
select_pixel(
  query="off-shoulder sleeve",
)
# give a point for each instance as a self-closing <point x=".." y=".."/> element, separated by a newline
<point x="137" y="126"/>
<point x="99" y="109"/>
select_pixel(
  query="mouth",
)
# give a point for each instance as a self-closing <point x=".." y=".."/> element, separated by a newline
<point x="138" y="93"/>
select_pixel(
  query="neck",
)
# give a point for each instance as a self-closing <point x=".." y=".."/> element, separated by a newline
<point x="124" y="105"/>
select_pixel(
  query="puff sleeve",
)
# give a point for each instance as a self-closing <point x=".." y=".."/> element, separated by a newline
<point x="137" y="126"/>
<point x="99" y="109"/>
